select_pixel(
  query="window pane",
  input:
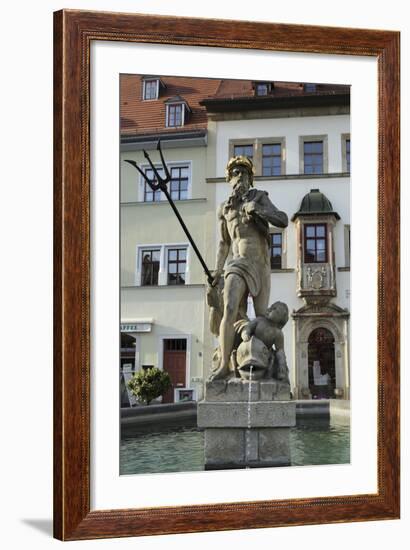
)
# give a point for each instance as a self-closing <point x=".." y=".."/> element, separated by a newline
<point x="176" y="266"/>
<point x="174" y="115"/>
<point x="310" y="87"/>
<point x="244" y="150"/>
<point x="261" y="89"/>
<point x="320" y="230"/>
<point x="276" y="251"/>
<point x="308" y="147"/>
<point x="316" y="160"/>
<point x="310" y="244"/>
<point x="271" y="159"/>
<point x="310" y="230"/>
<point x="320" y="244"/>
<point x="150" y="267"/>
<point x="321" y="256"/>
<point x="150" y="89"/>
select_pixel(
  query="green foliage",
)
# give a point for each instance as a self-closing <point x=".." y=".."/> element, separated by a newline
<point x="148" y="384"/>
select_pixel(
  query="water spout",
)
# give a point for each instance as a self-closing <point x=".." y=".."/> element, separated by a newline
<point x="248" y="431"/>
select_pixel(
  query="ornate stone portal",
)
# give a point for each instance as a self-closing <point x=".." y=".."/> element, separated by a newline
<point x="247" y="411"/>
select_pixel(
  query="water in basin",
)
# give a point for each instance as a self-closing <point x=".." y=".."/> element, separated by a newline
<point x="312" y="442"/>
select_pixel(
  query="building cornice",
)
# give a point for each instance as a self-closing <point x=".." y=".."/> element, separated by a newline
<point x="163" y="202"/>
<point x="197" y="138"/>
<point x="173" y="288"/>
<point x="228" y="104"/>
<point x="288" y="177"/>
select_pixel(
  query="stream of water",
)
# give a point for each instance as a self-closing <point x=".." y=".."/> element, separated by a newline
<point x="248" y="431"/>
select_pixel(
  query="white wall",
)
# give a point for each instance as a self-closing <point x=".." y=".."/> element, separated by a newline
<point x="290" y="129"/>
<point x="26" y="289"/>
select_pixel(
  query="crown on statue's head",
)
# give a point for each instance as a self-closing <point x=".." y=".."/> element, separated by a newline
<point x="239" y="160"/>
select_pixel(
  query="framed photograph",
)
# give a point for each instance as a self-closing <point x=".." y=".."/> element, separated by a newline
<point x="226" y="275"/>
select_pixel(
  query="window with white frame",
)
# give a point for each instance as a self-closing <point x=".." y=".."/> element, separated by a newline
<point x="150" y="89"/>
<point x="176" y="263"/>
<point x="175" y="114"/>
<point x="162" y="264"/>
<point x="179" y="186"/>
<point x="150" y="260"/>
<point x="149" y="194"/>
<point x="179" y="182"/>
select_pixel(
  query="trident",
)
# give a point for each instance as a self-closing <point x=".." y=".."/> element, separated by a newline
<point x="162" y="184"/>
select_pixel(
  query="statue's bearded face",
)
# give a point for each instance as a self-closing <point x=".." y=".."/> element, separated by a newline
<point x="240" y="180"/>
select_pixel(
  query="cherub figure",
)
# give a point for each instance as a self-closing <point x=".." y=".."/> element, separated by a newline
<point x="268" y="329"/>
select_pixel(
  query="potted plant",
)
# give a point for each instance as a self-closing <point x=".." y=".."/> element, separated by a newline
<point x="149" y="384"/>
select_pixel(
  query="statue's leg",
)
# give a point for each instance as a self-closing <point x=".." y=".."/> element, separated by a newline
<point x="234" y="289"/>
<point x="261" y="301"/>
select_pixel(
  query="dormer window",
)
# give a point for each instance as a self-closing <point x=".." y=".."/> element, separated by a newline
<point x="262" y="88"/>
<point x="177" y="111"/>
<point x="309" y="87"/>
<point x="175" y="115"/>
<point x="151" y="87"/>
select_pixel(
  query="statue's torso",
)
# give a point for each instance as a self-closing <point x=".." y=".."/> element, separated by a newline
<point x="247" y="238"/>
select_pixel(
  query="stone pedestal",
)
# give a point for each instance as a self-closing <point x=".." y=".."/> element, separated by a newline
<point x="246" y="423"/>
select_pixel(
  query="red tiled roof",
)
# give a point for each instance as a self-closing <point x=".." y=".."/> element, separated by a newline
<point x="148" y="117"/>
<point x="139" y="117"/>
<point x="238" y="89"/>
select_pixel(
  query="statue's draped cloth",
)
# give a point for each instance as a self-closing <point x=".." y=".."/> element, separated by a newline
<point x="248" y="271"/>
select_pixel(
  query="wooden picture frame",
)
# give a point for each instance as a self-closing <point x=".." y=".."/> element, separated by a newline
<point x="74" y="33"/>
